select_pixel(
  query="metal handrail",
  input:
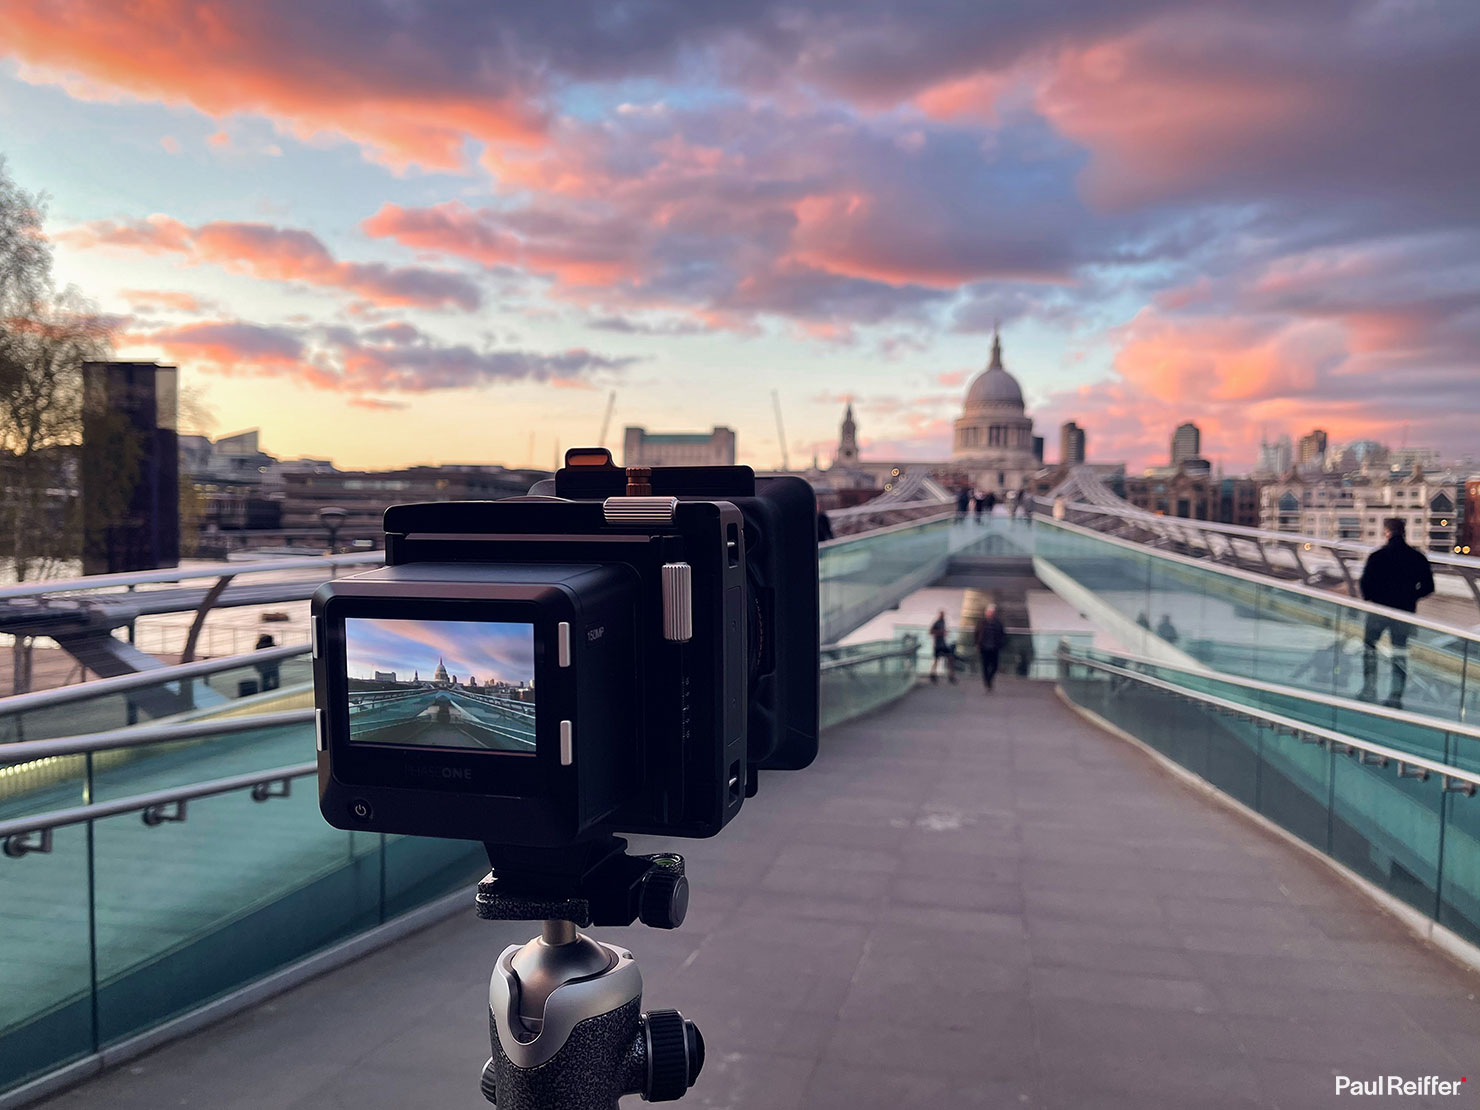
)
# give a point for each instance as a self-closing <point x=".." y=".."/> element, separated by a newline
<point x="94" y="582"/>
<point x="900" y="652"/>
<point x="1399" y="716"/>
<point x="76" y="815"/>
<point x="101" y="687"/>
<point x="136" y="736"/>
<point x="856" y="536"/>
<point x="1348" y="547"/>
<point x="869" y="507"/>
<point x="1274" y="583"/>
<point x="1286" y="724"/>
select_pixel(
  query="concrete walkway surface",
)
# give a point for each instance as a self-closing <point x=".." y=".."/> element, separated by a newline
<point x="970" y="900"/>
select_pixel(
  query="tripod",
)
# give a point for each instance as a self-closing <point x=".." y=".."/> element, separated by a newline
<point x="565" y="1025"/>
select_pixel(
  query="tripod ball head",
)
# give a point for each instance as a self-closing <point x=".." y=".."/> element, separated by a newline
<point x="568" y="1035"/>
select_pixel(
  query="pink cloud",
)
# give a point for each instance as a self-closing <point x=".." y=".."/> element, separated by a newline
<point x="155" y="300"/>
<point x="280" y="254"/>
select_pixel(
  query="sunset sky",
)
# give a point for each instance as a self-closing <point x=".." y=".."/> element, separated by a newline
<point x="397" y="231"/>
<point x="487" y="652"/>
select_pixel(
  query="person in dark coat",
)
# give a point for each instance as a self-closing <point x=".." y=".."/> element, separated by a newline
<point x="981" y="503"/>
<point x="990" y="636"/>
<point x="1166" y="629"/>
<point x="824" y="527"/>
<point x="940" y="634"/>
<point x="1396" y="575"/>
<point x="991" y="500"/>
<point x="268" y="675"/>
<point x="963" y="502"/>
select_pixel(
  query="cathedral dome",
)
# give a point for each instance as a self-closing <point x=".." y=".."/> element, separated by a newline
<point x="994" y="385"/>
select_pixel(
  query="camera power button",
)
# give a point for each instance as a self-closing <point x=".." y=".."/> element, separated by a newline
<point x="360" y="810"/>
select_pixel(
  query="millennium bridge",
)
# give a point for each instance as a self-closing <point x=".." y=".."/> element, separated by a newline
<point x="1178" y="856"/>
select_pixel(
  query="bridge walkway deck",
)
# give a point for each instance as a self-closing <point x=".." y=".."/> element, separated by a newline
<point x="970" y="900"/>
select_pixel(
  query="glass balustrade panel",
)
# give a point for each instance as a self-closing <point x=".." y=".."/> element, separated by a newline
<point x="188" y="910"/>
<point x="45" y="964"/>
<point x="1386" y="828"/>
<point x="125" y="772"/>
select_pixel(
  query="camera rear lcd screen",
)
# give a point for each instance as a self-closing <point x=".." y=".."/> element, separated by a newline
<point x="441" y="684"/>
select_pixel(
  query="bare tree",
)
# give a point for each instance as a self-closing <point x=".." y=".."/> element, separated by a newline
<point x="45" y="337"/>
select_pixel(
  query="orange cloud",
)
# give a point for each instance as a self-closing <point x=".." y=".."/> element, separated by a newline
<point x="400" y="100"/>
<point x="1220" y="359"/>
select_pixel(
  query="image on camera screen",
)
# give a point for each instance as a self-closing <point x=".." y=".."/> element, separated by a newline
<point x="441" y="684"/>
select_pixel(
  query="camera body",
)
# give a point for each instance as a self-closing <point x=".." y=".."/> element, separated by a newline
<point x="580" y="664"/>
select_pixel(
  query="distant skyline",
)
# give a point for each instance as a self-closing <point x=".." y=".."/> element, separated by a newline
<point x="432" y="231"/>
<point x="488" y="652"/>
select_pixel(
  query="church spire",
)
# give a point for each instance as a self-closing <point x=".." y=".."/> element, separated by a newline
<point x="848" y="441"/>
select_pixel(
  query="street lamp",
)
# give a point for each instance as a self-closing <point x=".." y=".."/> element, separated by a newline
<point x="333" y="519"/>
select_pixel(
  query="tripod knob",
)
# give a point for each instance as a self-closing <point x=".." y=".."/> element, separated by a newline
<point x="488" y="1082"/>
<point x="675" y="1055"/>
<point x="663" y="897"/>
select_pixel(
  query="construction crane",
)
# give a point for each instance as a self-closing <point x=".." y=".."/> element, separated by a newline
<point x="606" y="421"/>
<point x="780" y="431"/>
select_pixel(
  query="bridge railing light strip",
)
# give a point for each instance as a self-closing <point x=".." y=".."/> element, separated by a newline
<point x="133" y="736"/>
<point x="102" y="687"/>
<point x="76" y="815"/>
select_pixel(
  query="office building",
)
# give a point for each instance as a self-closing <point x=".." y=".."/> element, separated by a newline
<point x="1071" y="444"/>
<point x="1275" y="459"/>
<point x="1312" y="450"/>
<point x="1186" y="443"/>
<point x="643" y="448"/>
<point x="1335" y="507"/>
<point x="364" y="495"/>
<point x="130" y="467"/>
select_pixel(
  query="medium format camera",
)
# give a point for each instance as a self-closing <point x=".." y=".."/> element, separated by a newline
<point x="621" y="651"/>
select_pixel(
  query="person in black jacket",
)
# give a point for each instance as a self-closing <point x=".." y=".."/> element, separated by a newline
<point x="990" y="636"/>
<point x="1396" y="575"/>
<point x="940" y="634"/>
<point x="963" y="502"/>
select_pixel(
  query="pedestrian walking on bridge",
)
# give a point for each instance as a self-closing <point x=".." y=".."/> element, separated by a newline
<point x="940" y="635"/>
<point x="990" y="636"/>
<point x="1396" y="575"/>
